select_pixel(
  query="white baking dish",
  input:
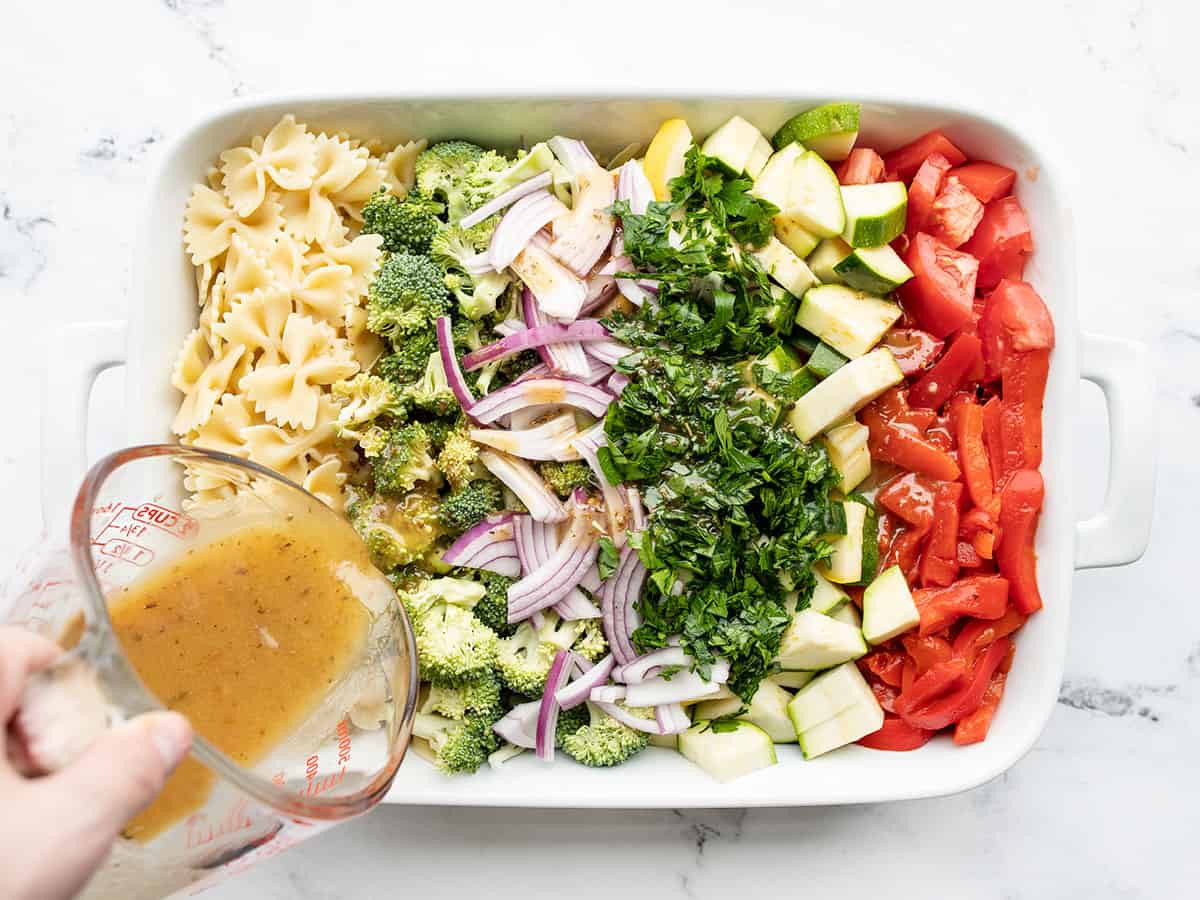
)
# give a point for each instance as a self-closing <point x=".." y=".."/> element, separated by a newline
<point x="163" y="310"/>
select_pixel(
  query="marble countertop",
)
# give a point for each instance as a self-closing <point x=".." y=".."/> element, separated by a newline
<point x="1105" y="804"/>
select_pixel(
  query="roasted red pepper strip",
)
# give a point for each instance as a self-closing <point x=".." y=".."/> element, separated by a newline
<point x="927" y="706"/>
<point x="1020" y="506"/>
<point x="926" y="651"/>
<point x="973" y="728"/>
<point x="886" y="665"/>
<point x="885" y="695"/>
<point x="939" y="563"/>
<point x="905" y="552"/>
<point x="1024" y="385"/>
<point x="964" y="355"/>
<point x="993" y="437"/>
<point x="979" y="596"/>
<point x="977" y="634"/>
<point x="972" y="453"/>
<point x="910" y="497"/>
<point x="897" y="735"/>
<point x="897" y="435"/>
<point x="967" y="556"/>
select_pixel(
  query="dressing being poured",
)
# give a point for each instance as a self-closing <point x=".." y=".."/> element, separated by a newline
<point x="245" y="636"/>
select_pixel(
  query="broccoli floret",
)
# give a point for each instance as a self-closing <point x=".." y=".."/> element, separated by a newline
<point x="492" y="610"/>
<point x="603" y="741"/>
<point x="457" y="457"/>
<point x="431" y="394"/>
<point x="441" y="167"/>
<point x="406" y="297"/>
<point x="469" y="505"/>
<point x="407" y="224"/>
<point x="404" y="460"/>
<point x="459" y="747"/>
<point x="564" y="477"/>
<point x="479" y="698"/>
<point x="410" y="357"/>
<point x="476" y="294"/>
<point x="570" y="721"/>
<point x="524" y="660"/>
<point x="453" y="646"/>
<point x="363" y="399"/>
<point x="427" y="592"/>
<point x="560" y="633"/>
<point x="591" y="641"/>
<point x="397" y="531"/>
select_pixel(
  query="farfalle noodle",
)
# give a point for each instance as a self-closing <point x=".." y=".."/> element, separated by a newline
<point x="325" y="482"/>
<point x="285" y="157"/>
<point x="312" y="215"/>
<point x="289" y="392"/>
<point x="257" y="322"/>
<point x="202" y="378"/>
<point x="319" y="288"/>
<point x="400" y="167"/>
<point x="210" y="223"/>
<point x="290" y="452"/>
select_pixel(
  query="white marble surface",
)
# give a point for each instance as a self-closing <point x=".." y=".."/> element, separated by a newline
<point x="1106" y="804"/>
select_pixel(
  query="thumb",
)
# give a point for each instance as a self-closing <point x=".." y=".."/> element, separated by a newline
<point x="123" y="771"/>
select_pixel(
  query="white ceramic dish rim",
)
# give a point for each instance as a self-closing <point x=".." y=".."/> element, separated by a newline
<point x="1115" y="536"/>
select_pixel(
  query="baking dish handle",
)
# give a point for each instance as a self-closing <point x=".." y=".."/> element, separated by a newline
<point x="83" y="351"/>
<point x="1119" y="533"/>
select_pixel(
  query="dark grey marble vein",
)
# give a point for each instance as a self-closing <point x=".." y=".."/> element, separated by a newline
<point x="23" y="246"/>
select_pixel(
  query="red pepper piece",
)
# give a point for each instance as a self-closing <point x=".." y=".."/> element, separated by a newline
<point x="939" y="564"/>
<point x="993" y="437"/>
<point x="978" y="634"/>
<point x="896" y="735"/>
<point x="886" y="665"/>
<point x="978" y="596"/>
<point x="952" y="691"/>
<point x="972" y="453"/>
<point x="964" y="355"/>
<point x="1024" y="387"/>
<point x="973" y="728"/>
<point x="926" y="651"/>
<point x="1020" y="506"/>
<point x="897" y="435"/>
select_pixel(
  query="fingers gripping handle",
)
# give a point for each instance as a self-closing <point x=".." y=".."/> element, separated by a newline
<point x="82" y="352"/>
<point x="1119" y="533"/>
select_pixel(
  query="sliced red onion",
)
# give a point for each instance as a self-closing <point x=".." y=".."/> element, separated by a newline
<point x="634" y="186"/>
<point x="547" y="724"/>
<point x="617" y="382"/>
<point x="576" y="607"/>
<point x="582" y="663"/>
<point x="528" y="216"/>
<point x="625" y="717"/>
<point x="535" y="391"/>
<point x="538" y="336"/>
<point x="681" y="687"/>
<point x="506" y="753"/>
<point x="620" y="592"/>
<point x="607" y="693"/>
<point x="541" y="442"/>
<point x="633" y="291"/>
<point x="633" y="499"/>
<point x="490" y="545"/>
<point x="586" y="445"/>
<point x="600" y="288"/>
<point x="512" y="195"/>
<point x="536" y="542"/>
<point x="638" y="669"/>
<point x="555" y="578"/>
<point x="523" y="539"/>
<point x="541" y="370"/>
<point x="582" y="235"/>
<point x="580" y="689"/>
<point x="672" y="719"/>
<point x="566" y="359"/>
<point x="520" y="478"/>
<point x="573" y="154"/>
<point x="519" y="726"/>
<point x="559" y="291"/>
<point x="454" y="375"/>
<point x="607" y="350"/>
<point x="591" y="580"/>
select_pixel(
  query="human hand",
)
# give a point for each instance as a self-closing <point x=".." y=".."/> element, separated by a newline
<point x="56" y="830"/>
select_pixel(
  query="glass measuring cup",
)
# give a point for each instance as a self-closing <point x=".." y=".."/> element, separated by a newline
<point x="339" y="757"/>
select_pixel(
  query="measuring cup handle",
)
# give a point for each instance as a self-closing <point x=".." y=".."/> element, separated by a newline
<point x="80" y="353"/>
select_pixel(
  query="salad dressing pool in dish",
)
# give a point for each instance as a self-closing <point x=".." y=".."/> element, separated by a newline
<point x="245" y="636"/>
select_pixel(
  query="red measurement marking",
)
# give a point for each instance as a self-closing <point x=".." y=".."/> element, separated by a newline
<point x="202" y="830"/>
<point x="127" y="551"/>
<point x="168" y="520"/>
<point x="344" y="747"/>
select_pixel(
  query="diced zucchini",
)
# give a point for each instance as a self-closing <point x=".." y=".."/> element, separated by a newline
<point x="825" y="361"/>
<point x="888" y="607"/>
<point x="827" y="695"/>
<point x="768" y="710"/>
<point x="826" y="596"/>
<point x="793" y="235"/>
<point x="781" y="314"/>
<point x="849" y="321"/>
<point x="845" y="565"/>
<point x="815" y="641"/>
<point x="815" y="199"/>
<point x="876" y="270"/>
<point x="870" y="542"/>
<point x="847" y="448"/>
<point x="781" y="359"/>
<point x="824" y="259"/>
<point x="666" y="741"/>
<point x="875" y="213"/>
<point x="785" y="267"/>
<point x="774" y="182"/>
<point x="847" y="614"/>
<point x="845" y="728"/>
<point x="757" y="160"/>
<point x="804" y="342"/>
<point x="734" y="143"/>
<point x="844" y="392"/>
<point x="830" y="130"/>
<point x="728" y="751"/>
<point x="792" y="680"/>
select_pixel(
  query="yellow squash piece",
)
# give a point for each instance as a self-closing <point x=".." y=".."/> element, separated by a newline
<point x="664" y="156"/>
